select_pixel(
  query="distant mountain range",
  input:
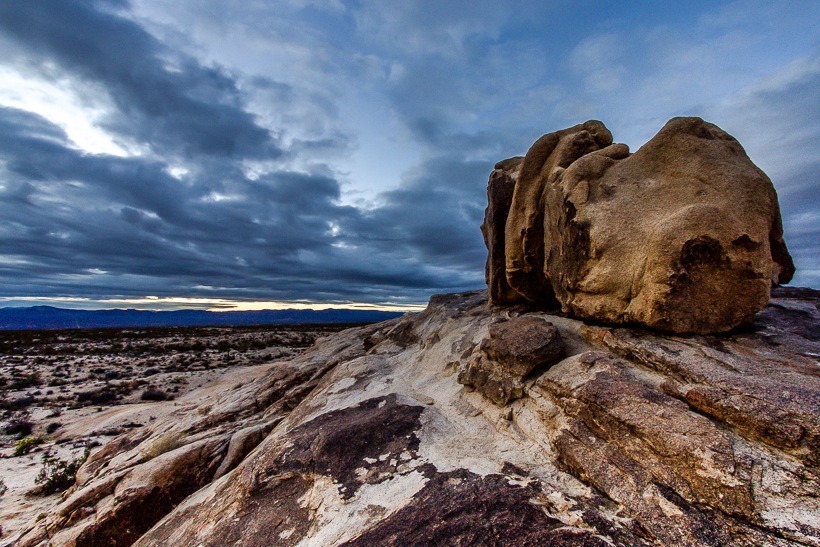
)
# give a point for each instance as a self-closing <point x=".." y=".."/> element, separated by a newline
<point x="47" y="317"/>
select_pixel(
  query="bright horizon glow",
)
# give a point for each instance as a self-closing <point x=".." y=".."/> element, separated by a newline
<point x="154" y="303"/>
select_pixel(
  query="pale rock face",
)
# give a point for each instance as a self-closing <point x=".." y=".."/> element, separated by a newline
<point x="631" y="438"/>
<point x="683" y="236"/>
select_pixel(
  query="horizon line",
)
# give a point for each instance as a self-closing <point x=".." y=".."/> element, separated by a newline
<point x="155" y="303"/>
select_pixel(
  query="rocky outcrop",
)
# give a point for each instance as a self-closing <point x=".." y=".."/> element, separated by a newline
<point x="135" y="480"/>
<point x="526" y="222"/>
<point x="512" y="351"/>
<point x="630" y="438"/>
<point x="682" y="236"/>
<point x="499" y="197"/>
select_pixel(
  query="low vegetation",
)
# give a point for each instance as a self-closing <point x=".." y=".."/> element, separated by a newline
<point x="19" y="428"/>
<point x="26" y="445"/>
<point x="97" y="397"/>
<point x="105" y="367"/>
<point x="57" y="475"/>
<point x="170" y="440"/>
<point x="154" y="395"/>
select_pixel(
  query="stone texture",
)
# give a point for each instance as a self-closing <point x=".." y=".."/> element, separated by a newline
<point x="511" y="351"/>
<point x="523" y="344"/>
<point x="684" y="235"/>
<point x="499" y="197"/>
<point x="633" y="438"/>
<point x="132" y="482"/>
<point x="764" y="383"/>
<point x="524" y="232"/>
<point x="461" y="508"/>
<point x="491" y="380"/>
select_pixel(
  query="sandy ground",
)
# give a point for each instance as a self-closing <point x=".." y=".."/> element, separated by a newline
<point x="44" y="376"/>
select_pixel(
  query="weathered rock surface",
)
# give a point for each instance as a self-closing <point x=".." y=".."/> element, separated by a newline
<point x="513" y="350"/>
<point x="683" y="236"/>
<point x="499" y="197"/>
<point x="524" y="232"/>
<point x="632" y="438"/>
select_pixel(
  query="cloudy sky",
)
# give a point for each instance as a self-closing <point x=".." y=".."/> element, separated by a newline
<point x="172" y="153"/>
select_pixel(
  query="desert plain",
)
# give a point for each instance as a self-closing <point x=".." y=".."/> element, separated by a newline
<point x="65" y="393"/>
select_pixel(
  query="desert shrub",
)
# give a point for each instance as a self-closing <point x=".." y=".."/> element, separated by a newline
<point x="23" y="381"/>
<point x="96" y="397"/>
<point x="52" y="427"/>
<point x="153" y="395"/>
<point x="24" y="446"/>
<point x="3" y="488"/>
<point x="18" y="403"/>
<point x="57" y="475"/>
<point x="20" y="428"/>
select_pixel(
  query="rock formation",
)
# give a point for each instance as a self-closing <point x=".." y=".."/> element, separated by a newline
<point x="513" y="350"/>
<point x="630" y="438"/>
<point x="683" y="236"/>
<point x="476" y="424"/>
<point x="499" y="197"/>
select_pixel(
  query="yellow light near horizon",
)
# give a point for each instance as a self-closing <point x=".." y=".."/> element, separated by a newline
<point x="158" y="303"/>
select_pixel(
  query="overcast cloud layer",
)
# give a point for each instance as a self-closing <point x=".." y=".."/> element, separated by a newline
<point x="339" y="151"/>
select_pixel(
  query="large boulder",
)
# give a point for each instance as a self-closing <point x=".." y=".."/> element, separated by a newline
<point x="684" y="235"/>
<point x="524" y="232"/>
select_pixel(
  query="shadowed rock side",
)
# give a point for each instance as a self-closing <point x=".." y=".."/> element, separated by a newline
<point x="618" y="437"/>
<point x="526" y="222"/>
<point x="683" y="236"/>
<point x="499" y="197"/>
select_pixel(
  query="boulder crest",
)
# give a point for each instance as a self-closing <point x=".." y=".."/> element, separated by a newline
<point x="684" y="235"/>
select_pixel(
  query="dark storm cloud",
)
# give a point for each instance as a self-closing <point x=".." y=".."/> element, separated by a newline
<point x="93" y="225"/>
<point x="96" y="225"/>
<point x="237" y="191"/>
<point x="434" y="214"/>
<point x="167" y="100"/>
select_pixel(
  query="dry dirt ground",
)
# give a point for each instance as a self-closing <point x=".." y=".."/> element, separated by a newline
<point x="73" y="390"/>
